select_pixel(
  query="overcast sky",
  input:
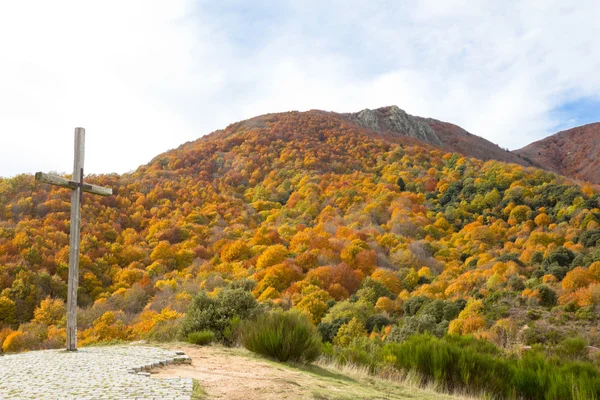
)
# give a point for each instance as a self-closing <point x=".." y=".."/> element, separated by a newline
<point x="146" y="76"/>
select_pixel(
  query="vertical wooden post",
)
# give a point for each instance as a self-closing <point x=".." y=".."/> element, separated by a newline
<point x="74" y="241"/>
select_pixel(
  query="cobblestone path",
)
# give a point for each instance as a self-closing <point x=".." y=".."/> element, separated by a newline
<point x="111" y="372"/>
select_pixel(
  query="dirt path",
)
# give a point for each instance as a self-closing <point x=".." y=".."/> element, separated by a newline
<point x="226" y="373"/>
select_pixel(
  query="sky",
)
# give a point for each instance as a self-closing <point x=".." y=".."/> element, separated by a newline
<point x="145" y="76"/>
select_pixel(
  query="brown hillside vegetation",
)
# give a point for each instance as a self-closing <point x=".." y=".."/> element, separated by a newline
<point x="574" y="153"/>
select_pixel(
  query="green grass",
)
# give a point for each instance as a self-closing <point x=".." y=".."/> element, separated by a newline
<point x="465" y="364"/>
<point x="198" y="393"/>
<point x="328" y="381"/>
<point x="201" y="338"/>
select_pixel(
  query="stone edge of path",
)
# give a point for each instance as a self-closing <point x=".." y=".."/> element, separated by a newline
<point x="144" y="370"/>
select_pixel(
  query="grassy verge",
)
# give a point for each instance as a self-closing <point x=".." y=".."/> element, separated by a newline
<point x="461" y="364"/>
<point x="330" y="381"/>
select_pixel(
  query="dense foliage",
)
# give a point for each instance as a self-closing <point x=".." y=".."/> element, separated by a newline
<point x="363" y="234"/>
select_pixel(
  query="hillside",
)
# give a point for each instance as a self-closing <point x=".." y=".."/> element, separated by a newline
<point x="574" y="153"/>
<point x="315" y="213"/>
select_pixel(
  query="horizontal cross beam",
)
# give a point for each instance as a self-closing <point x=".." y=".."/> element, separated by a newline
<point x="58" y="181"/>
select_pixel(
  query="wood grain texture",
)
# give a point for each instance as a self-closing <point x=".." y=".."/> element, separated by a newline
<point x="74" y="240"/>
<point x="77" y="186"/>
<point x="69" y="184"/>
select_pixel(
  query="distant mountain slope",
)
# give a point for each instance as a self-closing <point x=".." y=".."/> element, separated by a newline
<point x="452" y="138"/>
<point x="574" y="153"/>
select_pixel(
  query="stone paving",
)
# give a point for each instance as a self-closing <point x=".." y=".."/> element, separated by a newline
<point x="110" y="372"/>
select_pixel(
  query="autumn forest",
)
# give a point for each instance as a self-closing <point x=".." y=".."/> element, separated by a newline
<point x="366" y="235"/>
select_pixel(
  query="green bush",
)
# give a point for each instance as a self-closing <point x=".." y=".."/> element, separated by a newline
<point x="409" y="326"/>
<point x="346" y="309"/>
<point x="371" y="290"/>
<point x="376" y="322"/>
<point x="414" y="304"/>
<point x="164" y="331"/>
<point x="573" y="348"/>
<point x="561" y="256"/>
<point x="201" y="338"/>
<point x="590" y="238"/>
<point x="328" y="330"/>
<point x="478" y="366"/>
<point x="348" y="332"/>
<point x="284" y="336"/>
<point x="221" y="314"/>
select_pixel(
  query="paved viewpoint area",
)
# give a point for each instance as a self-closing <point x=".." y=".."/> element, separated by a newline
<point x="111" y="372"/>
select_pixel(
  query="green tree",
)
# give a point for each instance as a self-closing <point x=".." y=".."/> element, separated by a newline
<point x="348" y="332"/>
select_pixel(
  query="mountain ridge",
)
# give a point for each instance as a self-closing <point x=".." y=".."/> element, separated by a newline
<point x="393" y="124"/>
<point x="573" y="152"/>
<point x="450" y="137"/>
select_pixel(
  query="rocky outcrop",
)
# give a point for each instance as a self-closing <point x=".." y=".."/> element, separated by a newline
<point x="395" y="121"/>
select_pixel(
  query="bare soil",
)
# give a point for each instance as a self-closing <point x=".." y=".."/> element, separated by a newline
<point x="226" y="373"/>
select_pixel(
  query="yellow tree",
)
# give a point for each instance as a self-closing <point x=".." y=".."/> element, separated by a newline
<point x="50" y="312"/>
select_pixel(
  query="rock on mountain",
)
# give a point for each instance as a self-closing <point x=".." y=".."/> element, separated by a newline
<point x="394" y="122"/>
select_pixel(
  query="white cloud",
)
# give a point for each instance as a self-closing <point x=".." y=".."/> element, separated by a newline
<point x="100" y="65"/>
<point x="146" y="76"/>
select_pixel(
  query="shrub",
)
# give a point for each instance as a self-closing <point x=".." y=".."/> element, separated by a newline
<point x="478" y="366"/>
<point x="328" y="330"/>
<point x="371" y="290"/>
<point x="15" y="341"/>
<point x="561" y="256"/>
<point x="348" y="332"/>
<point x="164" y="331"/>
<point x="220" y="314"/>
<point x="8" y="311"/>
<point x="346" y="309"/>
<point x="409" y="326"/>
<point x="376" y="322"/>
<point x="361" y="351"/>
<point x="3" y="335"/>
<point x="414" y="304"/>
<point x="547" y="296"/>
<point x="573" y="348"/>
<point x="50" y="312"/>
<point x="201" y="338"/>
<point x="284" y="336"/>
<point x="590" y="238"/>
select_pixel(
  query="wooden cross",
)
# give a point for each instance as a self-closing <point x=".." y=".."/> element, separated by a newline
<point x="77" y="187"/>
